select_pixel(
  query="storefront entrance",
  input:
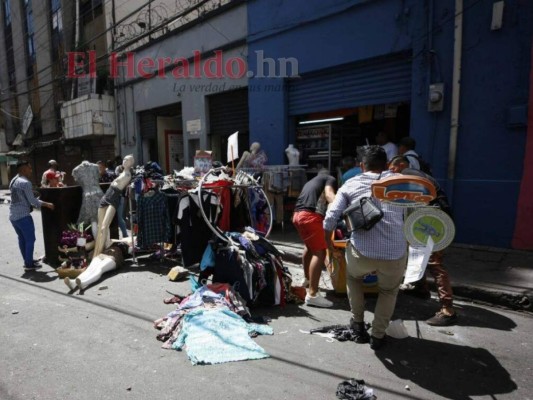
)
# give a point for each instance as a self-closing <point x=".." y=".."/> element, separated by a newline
<point x="336" y="111"/>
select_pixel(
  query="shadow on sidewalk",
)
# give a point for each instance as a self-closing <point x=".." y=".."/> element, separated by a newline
<point x="448" y="370"/>
<point x="409" y="308"/>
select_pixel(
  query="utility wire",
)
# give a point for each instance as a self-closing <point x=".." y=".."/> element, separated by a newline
<point x="60" y="77"/>
<point x="45" y="26"/>
<point x="80" y="46"/>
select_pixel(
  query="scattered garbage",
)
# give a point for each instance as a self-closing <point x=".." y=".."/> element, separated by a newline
<point x="354" y="389"/>
<point x="397" y="329"/>
<point x="177" y="273"/>
<point x="407" y="388"/>
<point x="14" y="312"/>
<point x="449" y="333"/>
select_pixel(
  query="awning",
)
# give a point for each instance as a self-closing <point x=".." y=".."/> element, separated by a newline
<point x="4" y="158"/>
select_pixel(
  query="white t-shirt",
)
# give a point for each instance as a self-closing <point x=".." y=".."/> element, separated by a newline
<point x="391" y="149"/>
<point x="413" y="162"/>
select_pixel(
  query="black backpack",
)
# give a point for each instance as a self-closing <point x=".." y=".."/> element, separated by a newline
<point x="425" y="167"/>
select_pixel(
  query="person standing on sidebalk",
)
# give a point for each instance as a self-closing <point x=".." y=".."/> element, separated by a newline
<point x="22" y="202"/>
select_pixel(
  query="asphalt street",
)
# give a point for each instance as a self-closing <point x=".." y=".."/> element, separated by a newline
<point x="101" y="345"/>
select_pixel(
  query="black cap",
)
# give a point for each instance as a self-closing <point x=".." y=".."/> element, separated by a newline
<point x="21" y="163"/>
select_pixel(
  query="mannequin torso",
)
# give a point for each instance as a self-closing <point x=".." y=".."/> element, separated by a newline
<point x="293" y="155"/>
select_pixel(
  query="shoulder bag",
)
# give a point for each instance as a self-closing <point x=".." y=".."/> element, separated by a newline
<point x="363" y="214"/>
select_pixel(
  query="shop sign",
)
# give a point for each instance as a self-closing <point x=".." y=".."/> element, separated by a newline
<point x="203" y="162"/>
<point x="313" y="132"/>
<point x="403" y="191"/>
<point x="194" y="126"/>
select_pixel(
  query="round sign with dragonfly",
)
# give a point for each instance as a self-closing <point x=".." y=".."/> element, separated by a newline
<point x="429" y="221"/>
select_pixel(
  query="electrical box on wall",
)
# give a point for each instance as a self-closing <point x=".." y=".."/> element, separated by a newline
<point x="436" y="97"/>
<point x="497" y="15"/>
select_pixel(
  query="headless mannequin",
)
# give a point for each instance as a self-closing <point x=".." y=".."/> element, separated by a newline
<point x="87" y="175"/>
<point x="247" y="156"/>
<point x="107" y="212"/>
<point x="256" y="158"/>
<point x="293" y="155"/>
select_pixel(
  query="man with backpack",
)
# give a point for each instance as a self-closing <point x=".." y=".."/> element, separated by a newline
<point x="446" y="315"/>
<point x="406" y="148"/>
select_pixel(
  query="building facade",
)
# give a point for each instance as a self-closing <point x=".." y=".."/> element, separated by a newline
<point x="35" y="40"/>
<point x="181" y="85"/>
<point x="453" y="75"/>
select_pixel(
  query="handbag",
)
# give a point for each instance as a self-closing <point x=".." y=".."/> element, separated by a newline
<point x="363" y="214"/>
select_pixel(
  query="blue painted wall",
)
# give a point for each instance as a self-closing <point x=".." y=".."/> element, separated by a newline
<point x="495" y="72"/>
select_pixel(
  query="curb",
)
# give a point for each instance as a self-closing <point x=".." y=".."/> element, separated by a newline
<point x="292" y="253"/>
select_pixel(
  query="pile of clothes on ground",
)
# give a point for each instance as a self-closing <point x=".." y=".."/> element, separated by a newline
<point x="214" y="325"/>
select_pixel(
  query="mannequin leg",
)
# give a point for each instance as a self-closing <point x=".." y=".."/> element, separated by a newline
<point x="71" y="283"/>
<point x="98" y="266"/>
<point x="103" y="240"/>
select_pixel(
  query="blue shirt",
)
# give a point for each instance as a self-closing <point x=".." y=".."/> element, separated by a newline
<point x="385" y="241"/>
<point x="22" y="198"/>
<point x="350" y="174"/>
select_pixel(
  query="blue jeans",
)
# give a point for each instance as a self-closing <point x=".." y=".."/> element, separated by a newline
<point x="120" y="216"/>
<point x="26" y="233"/>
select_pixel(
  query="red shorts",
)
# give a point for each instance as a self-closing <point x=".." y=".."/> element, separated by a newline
<point x="309" y="227"/>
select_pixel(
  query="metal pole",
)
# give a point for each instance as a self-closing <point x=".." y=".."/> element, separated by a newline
<point x="130" y="191"/>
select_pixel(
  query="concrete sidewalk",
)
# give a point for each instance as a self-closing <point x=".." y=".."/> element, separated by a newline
<point x="496" y="276"/>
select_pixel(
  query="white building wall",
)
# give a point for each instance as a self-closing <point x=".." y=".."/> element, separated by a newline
<point x="146" y="94"/>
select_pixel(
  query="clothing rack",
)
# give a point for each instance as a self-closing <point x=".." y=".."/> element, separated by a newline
<point x="253" y="183"/>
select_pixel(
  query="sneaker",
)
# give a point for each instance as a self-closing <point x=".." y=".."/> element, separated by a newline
<point x="317" y="301"/>
<point x="34" y="267"/>
<point x="441" y="319"/>
<point x="377" y="343"/>
<point x="360" y="332"/>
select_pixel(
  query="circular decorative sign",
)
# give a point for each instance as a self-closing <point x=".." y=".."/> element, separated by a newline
<point x="429" y="221"/>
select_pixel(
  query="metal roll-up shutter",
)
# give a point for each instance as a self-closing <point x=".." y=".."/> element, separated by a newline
<point x="228" y="112"/>
<point x="378" y="81"/>
<point x="148" y="124"/>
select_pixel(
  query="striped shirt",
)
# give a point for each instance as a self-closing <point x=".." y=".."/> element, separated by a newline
<point x="22" y="198"/>
<point x="385" y="241"/>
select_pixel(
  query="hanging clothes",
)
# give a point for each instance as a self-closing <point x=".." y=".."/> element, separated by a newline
<point x="222" y="189"/>
<point x="153" y="219"/>
<point x="194" y="234"/>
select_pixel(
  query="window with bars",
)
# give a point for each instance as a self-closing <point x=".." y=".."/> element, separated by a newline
<point x="30" y="41"/>
<point x="90" y="9"/>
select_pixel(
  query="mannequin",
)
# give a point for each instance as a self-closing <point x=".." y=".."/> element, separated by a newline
<point x="255" y="158"/>
<point x="109" y="205"/>
<point x="105" y="262"/>
<point x="87" y="174"/>
<point x="293" y="155"/>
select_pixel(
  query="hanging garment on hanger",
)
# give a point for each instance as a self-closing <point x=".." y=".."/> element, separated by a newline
<point x="153" y="220"/>
<point x="194" y="233"/>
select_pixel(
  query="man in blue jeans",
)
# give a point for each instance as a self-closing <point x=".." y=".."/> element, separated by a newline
<point x="22" y="202"/>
